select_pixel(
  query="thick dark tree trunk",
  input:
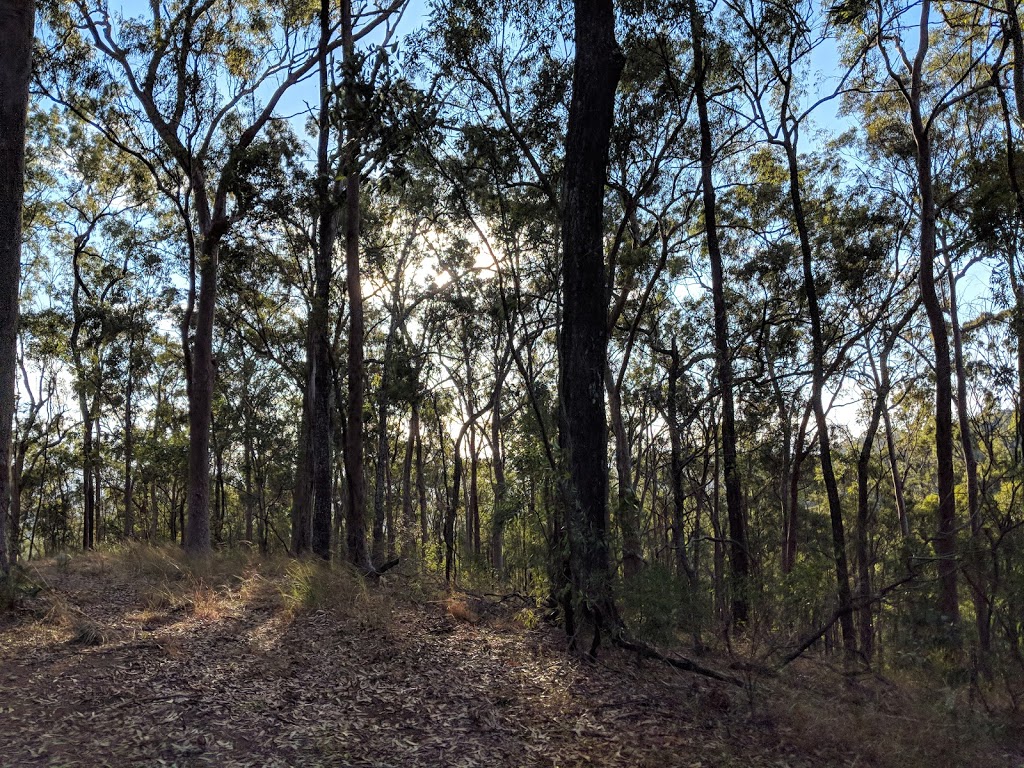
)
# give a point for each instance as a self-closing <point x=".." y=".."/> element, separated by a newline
<point x="739" y="554"/>
<point x="583" y="340"/>
<point x="200" y="400"/>
<point x="355" y="530"/>
<point x="322" y="378"/>
<point x="16" y="25"/>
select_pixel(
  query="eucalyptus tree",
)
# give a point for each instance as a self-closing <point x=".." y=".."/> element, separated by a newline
<point x="929" y="69"/>
<point x="16" y="24"/>
<point x="187" y="89"/>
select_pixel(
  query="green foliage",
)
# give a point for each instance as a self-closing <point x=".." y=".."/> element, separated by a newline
<point x="653" y="604"/>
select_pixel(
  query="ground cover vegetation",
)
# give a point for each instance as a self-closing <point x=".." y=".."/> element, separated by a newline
<point x="694" y="331"/>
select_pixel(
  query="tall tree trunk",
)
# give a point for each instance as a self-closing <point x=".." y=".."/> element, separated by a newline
<point x="975" y="569"/>
<point x="129" y="446"/>
<point x="473" y="535"/>
<point x="200" y="398"/>
<point x="88" y="488"/>
<point x="356" y="524"/>
<point x="944" y="540"/>
<point x="322" y="378"/>
<point x="817" y="385"/>
<point x="739" y="553"/>
<point x="864" y="617"/>
<point x="583" y="341"/>
<point x="945" y="536"/>
<point x="247" y="448"/>
<point x="16" y="25"/>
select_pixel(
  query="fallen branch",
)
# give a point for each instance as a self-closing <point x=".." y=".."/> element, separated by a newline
<point x="856" y="605"/>
<point x="376" y="573"/>
<point x="687" y="665"/>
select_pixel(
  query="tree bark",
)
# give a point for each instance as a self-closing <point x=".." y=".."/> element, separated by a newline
<point x="200" y="399"/>
<point x="500" y="513"/>
<point x="322" y="378"/>
<point x="302" y="492"/>
<point x="945" y="536"/>
<point x="355" y="530"/>
<point x="17" y="18"/>
<point x="817" y="385"/>
<point x="408" y="546"/>
<point x="628" y="510"/>
<point x="739" y="554"/>
<point x="976" y="575"/>
<point x="129" y="445"/>
<point x="583" y="340"/>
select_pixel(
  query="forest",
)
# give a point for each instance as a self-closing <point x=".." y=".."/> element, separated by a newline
<point x="679" y="342"/>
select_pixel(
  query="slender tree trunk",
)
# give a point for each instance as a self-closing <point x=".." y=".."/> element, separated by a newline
<point x="474" y="494"/>
<point x="583" y="341"/>
<point x="17" y="478"/>
<point x="683" y="567"/>
<point x="739" y="554"/>
<point x="247" y="448"/>
<point x="421" y="487"/>
<point x="500" y="514"/>
<point x="628" y="509"/>
<point x="16" y="26"/>
<point x="381" y="467"/>
<point x="945" y="536"/>
<point x="975" y="570"/>
<point x="129" y="446"/>
<point x="302" y="493"/>
<point x="800" y="453"/>
<point x="864" y="617"/>
<point x="817" y="385"/>
<point x="88" y="489"/>
<point x="408" y="513"/>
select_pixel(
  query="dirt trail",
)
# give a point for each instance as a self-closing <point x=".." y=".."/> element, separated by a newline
<point x="233" y="678"/>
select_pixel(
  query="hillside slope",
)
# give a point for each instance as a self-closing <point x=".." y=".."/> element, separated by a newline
<point x="135" y="659"/>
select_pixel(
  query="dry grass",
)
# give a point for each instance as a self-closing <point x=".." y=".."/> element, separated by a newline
<point x="311" y="585"/>
<point x="283" y="616"/>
